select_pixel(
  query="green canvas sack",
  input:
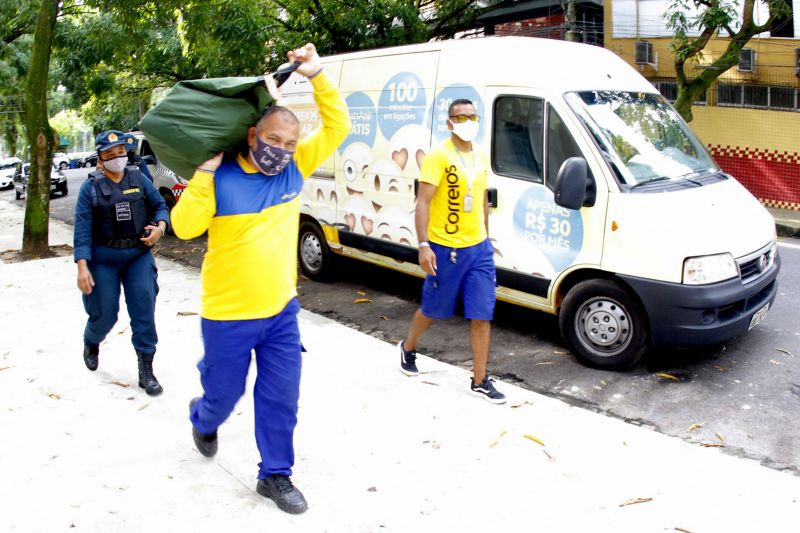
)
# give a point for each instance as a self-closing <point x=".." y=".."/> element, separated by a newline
<point x="200" y="118"/>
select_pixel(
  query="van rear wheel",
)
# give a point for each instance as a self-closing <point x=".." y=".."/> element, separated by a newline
<point x="312" y="250"/>
<point x="604" y="325"/>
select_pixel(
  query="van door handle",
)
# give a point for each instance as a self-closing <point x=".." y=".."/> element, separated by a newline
<point x="492" y="194"/>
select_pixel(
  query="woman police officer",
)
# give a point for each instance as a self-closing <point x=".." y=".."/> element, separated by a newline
<point x="119" y="216"/>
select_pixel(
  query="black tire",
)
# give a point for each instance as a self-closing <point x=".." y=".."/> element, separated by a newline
<point x="604" y="325"/>
<point x="316" y="259"/>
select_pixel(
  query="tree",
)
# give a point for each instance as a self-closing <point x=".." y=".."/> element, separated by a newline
<point x="41" y="137"/>
<point x="714" y="16"/>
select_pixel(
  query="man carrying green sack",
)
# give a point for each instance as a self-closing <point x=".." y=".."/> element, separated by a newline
<point x="249" y="204"/>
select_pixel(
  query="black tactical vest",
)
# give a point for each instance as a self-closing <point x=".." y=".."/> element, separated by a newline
<point x="119" y="210"/>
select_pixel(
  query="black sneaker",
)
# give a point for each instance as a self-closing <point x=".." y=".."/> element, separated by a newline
<point x="90" y="356"/>
<point x="486" y="390"/>
<point x="286" y="496"/>
<point x="408" y="365"/>
<point x="206" y="444"/>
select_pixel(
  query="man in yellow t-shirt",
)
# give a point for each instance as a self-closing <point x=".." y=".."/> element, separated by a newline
<point x="452" y="220"/>
<point x="250" y="205"/>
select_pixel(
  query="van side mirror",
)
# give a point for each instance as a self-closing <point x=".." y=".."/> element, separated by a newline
<point x="575" y="186"/>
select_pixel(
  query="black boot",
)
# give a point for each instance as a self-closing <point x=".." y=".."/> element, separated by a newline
<point x="90" y="355"/>
<point x="282" y="491"/>
<point x="147" y="380"/>
<point x="206" y="444"/>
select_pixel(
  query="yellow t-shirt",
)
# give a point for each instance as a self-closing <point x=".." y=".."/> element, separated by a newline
<point x="449" y="170"/>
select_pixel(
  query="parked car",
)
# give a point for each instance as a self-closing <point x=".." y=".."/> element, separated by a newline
<point x="169" y="184"/>
<point x="58" y="181"/>
<point x="8" y="167"/>
<point x="61" y="161"/>
<point x="88" y="161"/>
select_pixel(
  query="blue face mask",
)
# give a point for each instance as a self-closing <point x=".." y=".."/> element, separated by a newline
<point x="269" y="159"/>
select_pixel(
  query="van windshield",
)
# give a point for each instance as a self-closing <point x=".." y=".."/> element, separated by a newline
<point x="642" y="136"/>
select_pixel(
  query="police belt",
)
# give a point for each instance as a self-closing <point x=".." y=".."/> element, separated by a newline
<point x="123" y="244"/>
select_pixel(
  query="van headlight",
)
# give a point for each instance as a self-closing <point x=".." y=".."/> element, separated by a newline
<point x="709" y="269"/>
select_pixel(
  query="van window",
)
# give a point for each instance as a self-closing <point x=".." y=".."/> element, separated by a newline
<point x="560" y="146"/>
<point x="517" y="137"/>
<point x="146" y="150"/>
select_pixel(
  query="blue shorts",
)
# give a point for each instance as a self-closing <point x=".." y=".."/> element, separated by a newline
<point x="471" y="278"/>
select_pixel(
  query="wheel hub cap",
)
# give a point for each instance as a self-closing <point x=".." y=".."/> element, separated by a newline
<point x="605" y="324"/>
<point x="311" y="252"/>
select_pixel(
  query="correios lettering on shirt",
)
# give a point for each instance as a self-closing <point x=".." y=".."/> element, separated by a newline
<point x="453" y="194"/>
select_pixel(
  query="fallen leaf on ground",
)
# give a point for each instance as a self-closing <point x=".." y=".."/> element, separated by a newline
<point x="534" y="439"/>
<point x="548" y="455"/>
<point x="774" y="362"/>
<point x="362" y="301"/>
<point x="5" y="368"/>
<point x="54" y="396"/>
<point x="384" y="317"/>
<point x="545" y="363"/>
<point x="119" y="383"/>
<point x="372" y="489"/>
<point x="695" y="426"/>
<point x="666" y="376"/>
<point x="492" y="445"/>
<point x="719" y="436"/>
<point x="683" y="530"/>
<point x="362" y="293"/>
<point x="429" y="383"/>
<point x="712" y="445"/>
<point x="186" y="313"/>
<point x="722" y="368"/>
<point x="560" y="353"/>
<point x="787" y="352"/>
<point x="526" y="402"/>
<point x="145" y="406"/>
<point x="123" y="330"/>
<point x="635" y="501"/>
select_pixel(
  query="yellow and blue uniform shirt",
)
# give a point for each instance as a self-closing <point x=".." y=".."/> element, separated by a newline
<point x="449" y="225"/>
<point x="250" y="269"/>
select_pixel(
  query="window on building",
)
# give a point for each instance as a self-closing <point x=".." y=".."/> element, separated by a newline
<point x="760" y="96"/>
<point x="669" y="90"/>
<point x="517" y="138"/>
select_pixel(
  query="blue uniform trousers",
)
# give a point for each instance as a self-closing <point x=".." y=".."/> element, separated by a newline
<point x="134" y="269"/>
<point x="228" y="346"/>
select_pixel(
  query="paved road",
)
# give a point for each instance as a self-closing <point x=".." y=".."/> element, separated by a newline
<point x="744" y="394"/>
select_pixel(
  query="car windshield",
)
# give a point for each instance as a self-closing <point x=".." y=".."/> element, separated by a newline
<point x="642" y="136"/>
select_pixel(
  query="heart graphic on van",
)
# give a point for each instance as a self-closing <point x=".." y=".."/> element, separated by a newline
<point x="400" y="157"/>
<point x="420" y="157"/>
<point x="367" y="224"/>
<point x="351" y="221"/>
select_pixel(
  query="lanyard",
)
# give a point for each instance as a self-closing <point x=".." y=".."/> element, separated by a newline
<point x="471" y="174"/>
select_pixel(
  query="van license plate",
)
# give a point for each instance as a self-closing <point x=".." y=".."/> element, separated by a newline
<point x="758" y="317"/>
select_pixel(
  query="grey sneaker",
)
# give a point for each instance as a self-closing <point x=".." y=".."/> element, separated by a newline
<point x="408" y="361"/>
<point x="486" y="390"/>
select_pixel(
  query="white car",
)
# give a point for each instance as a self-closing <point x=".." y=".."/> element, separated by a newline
<point x="8" y="167"/>
<point x="61" y="161"/>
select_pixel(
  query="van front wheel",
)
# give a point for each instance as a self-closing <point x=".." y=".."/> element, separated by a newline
<point x="604" y="325"/>
<point x="313" y="252"/>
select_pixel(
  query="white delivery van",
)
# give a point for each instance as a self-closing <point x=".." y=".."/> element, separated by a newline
<point x="606" y="209"/>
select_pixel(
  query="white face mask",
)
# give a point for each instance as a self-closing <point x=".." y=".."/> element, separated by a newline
<point x="466" y="131"/>
<point x="117" y="164"/>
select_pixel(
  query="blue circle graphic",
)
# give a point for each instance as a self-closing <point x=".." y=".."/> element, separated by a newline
<point x="442" y="102"/>
<point x="555" y="230"/>
<point x="403" y="101"/>
<point x="363" y="120"/>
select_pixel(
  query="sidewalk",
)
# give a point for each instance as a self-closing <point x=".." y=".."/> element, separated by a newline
<point x="376" y="451"/>
<point x="787" y="222"/>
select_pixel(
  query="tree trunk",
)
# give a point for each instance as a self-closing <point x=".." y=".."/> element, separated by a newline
<point x="42" y="139"/>
<point x="571" y="35"/>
